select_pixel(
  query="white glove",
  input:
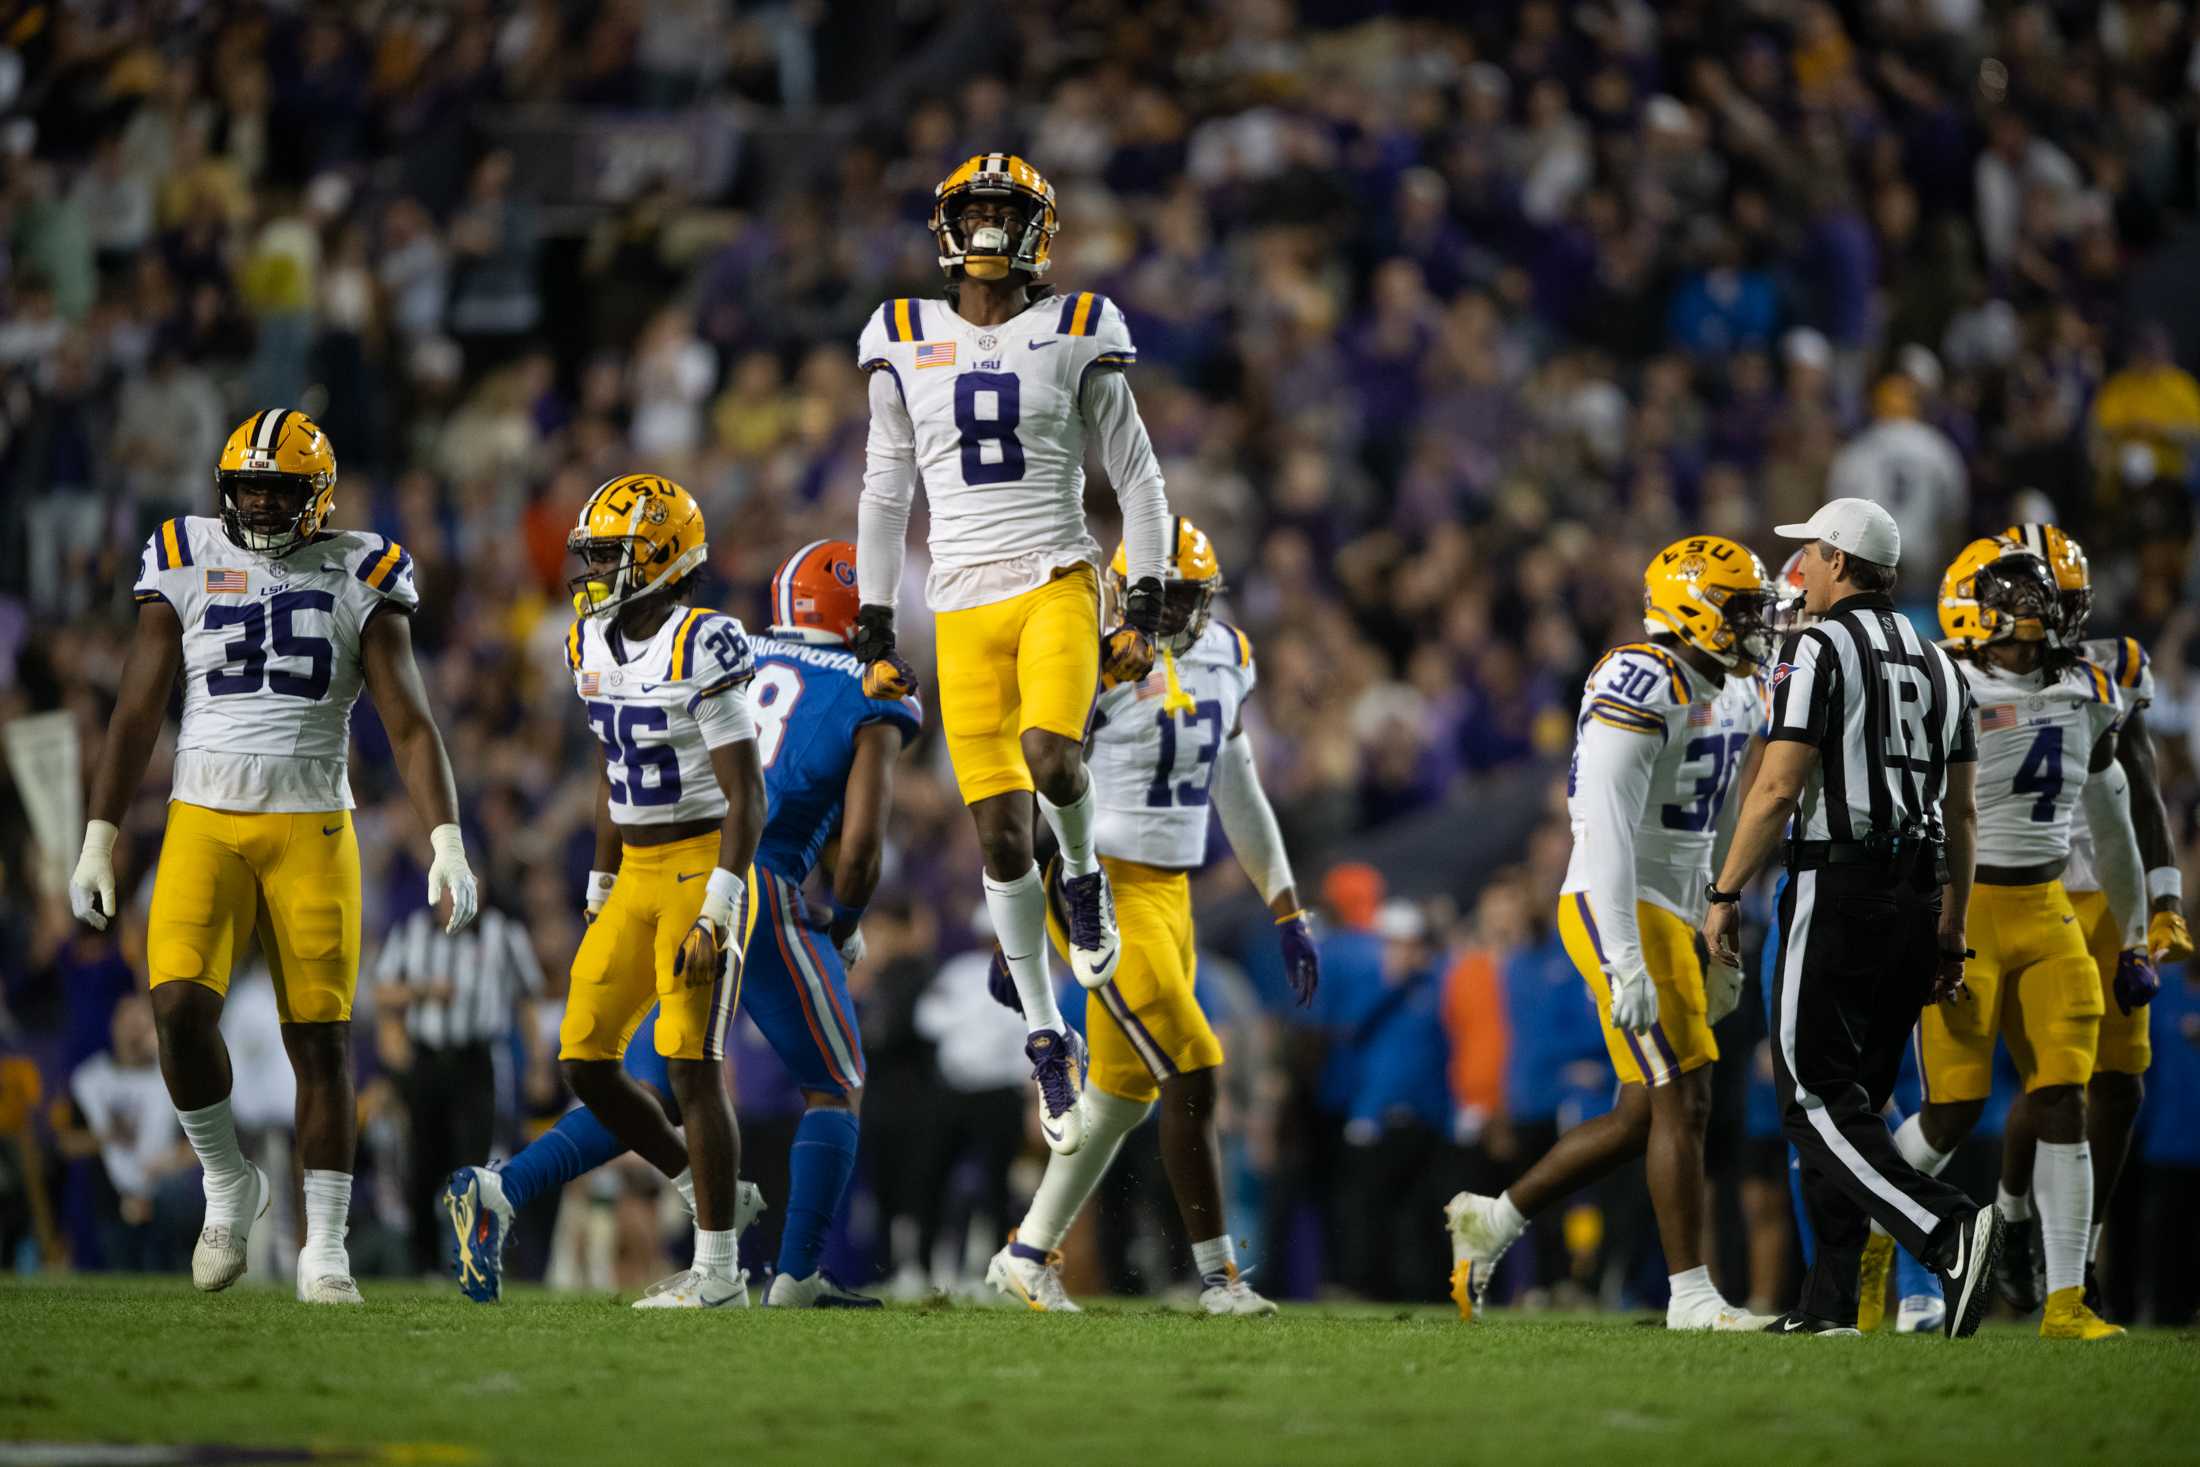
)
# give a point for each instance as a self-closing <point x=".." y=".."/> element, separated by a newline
<point x="1722" y="990"/>
<point x="599" y="892"/>
<point x="1634" y="998"/>
<point x="92" y="888"/>
<point x="448" y="872"/>
<point x="852" y="949"/>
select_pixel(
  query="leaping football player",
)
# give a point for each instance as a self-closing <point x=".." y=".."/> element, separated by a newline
<point x="680" y="804"/>
<point x="2125" y="1048"/>
<point x="276" y="623"/>
<point x="1664" y="725"/>
<point x="1163" y="750"/>
<point x="828" y="757"/>
<point x="990" y="396"/>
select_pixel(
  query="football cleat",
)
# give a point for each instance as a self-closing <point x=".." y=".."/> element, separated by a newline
<point x="1796" y="1322"/>
<point x="480" y="1220"/>
<point x="1478" y="1240"/>
<point x="1058" y="1072"/>
<point x="1977" y="1245"/>
<point x="2066" y="1318"/>
<point x="1228" y="1293"/>
<point x="694" y="1289"/>
<point x="819" y="1291"/>
<point x="1094" y="944"/>
<point x="2021" y="1272"/>
<point x="326" y="1282"/>
<point x="1872" y="1277"/>
<point x="1031" y="1275"/>
<point x="1919" y="1313"/>
<point x="1721" y="1318"/>
<point x="217" y="1260"/>
<point x="748" y="1206"/>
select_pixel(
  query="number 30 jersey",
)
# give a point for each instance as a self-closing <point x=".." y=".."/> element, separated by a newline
<point x="271" y="659"/>
<point x="660" y="706"/>
<point x="1153" y="764"/>
<point x="2035" y="740"/>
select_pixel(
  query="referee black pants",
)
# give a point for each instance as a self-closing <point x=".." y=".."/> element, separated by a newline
<point x="1858" y="949"/>
<point x="451" y="1098"/>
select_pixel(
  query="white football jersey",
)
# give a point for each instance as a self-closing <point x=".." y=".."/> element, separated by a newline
<point x="271" y="662"/>
<point x="2035" y="741"/>
<point x="1152" y="767"/>
<point x="2128" y="666"/>
<point x="659" y="707"/>
<point x="1000" y="433"/>
<point x="1701" y="734"/>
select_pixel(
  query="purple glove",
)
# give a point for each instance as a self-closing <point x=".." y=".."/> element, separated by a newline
<point x="2136" y="980"/>
<point x="1302" y="962"/>
<point x="1001" y="983"/>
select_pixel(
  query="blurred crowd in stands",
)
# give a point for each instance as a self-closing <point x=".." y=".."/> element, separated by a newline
<point x="1448" y="316"/>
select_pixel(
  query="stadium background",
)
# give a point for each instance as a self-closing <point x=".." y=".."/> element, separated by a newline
<point x="1444" y="325"/>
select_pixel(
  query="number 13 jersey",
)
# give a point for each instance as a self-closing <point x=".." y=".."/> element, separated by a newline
<point x="1153" y="764"/>
<point x="271" y="660"/>
<point x="2035" y="739"/>
<point x="659" y="706"/>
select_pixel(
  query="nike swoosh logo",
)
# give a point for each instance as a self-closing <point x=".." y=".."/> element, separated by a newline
<point x="330" y="829"/>
<point x="1035" y="345"/>
<point x="1790" y="1326"/>
<point x="651" y="687"/>
<point x="2068" y="920"/>
<point x="1049" y="1132"/>
<point x="692" y="876"/>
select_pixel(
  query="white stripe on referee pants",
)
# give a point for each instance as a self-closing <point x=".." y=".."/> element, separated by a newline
<point x="1844" y="1151"/>
<point x="807" y="974"/>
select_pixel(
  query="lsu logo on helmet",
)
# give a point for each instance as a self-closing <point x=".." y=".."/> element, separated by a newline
<point x="1711" y="593"/>
<point x="1995" y="591"/>
<point x="989" y="251"/>
<point x="277" y="480"/>
<point x="637" y="534"/>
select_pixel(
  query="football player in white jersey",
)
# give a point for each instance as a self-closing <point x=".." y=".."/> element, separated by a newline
<point x="1163" y="750"/>
<point x="2125" y="1049"/>
<point x="1665" y="724"/>
<point x="275" y="623"/>
<point x="680" y="805"/>
<point x="2047" y="730"/>
<point x="990" y="396"/>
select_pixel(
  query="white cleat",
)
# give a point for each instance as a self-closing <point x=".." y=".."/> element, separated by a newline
<point x="1058" y="1063"/>
<point x="1918" y="1313"/>
<point x="1721" y="1317"/>
<point x="1094" y="942"/>
<point x="1032" y="1277"/>
<point x="819" y="1291"/>
<point x="695" y="1289"/>
<point x="1233" y="1296"/>
<point x="326" y="1282"/>
<point x="1478" y="1240"/>
<point x="217" y="1261"/>
<point x="748" y="1206"/>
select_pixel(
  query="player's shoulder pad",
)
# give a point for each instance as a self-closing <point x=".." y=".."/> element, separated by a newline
<point x="573" y="642"/>
<point x="1223" y="645"/>
<point x="1095" y="323"/>
<point x="1642" y="673"/>
<point x="711" y="650"/>
<point x="2092" y="682"/>
<point x="381" y="565"/>
<point x="895" y="323"/>
<point x="2127" y="664"/>
<point x="174" y="545"/>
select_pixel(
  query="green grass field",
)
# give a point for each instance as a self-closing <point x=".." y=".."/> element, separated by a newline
<point x="420" y="1375"/>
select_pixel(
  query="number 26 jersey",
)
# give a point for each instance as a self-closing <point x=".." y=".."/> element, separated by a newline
<point x="659" y="706"/>
<point x="1152" y="764"/>
<point x="271" y="659"/>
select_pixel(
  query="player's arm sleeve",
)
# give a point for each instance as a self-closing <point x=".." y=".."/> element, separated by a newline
<point x="889" y="475"/>
<point x="386" y="568"/>
<point x="1248" y="819"/>
<point x="1802" y="686"/>
<point x="721" y="704"/>
<point x="2106" y="802"/>
<point x="1126" y="451"/>
<point x="1613" y="761"/>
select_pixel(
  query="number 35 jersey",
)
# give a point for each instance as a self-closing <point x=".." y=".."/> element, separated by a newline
<point x="2035" y="740"/>
<point x="1153" y="763"/>
<point x="271" y="659"/>
<point x="660" y="706"/>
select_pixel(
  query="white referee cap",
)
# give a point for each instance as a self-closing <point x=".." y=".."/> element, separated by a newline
<point x="1858" y="526"/>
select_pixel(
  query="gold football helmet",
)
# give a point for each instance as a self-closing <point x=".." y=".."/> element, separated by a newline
<point x="638" y="533"/>
<point x="284" y="464"/>
<point x="1189" y="585"/>
<point x="1996" y="592"/>
<point x="1711" y="593"/>
<point x="989" y="251"/>
<point x="2073" y="576"/>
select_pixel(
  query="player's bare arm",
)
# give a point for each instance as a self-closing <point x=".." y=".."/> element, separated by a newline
<point x="860" y="847"/>
<point x="1782" y="771"/>
<point x="393" y="681"/>
<point x="141" y="706"/>
<point x="2168" y="939"/>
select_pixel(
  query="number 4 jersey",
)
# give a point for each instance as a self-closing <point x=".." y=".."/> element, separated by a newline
<point x="2036" y="737"/>
<point x="659" y="707"/>
<point x="271" y="660"/>
<point x="1153" y="763"/>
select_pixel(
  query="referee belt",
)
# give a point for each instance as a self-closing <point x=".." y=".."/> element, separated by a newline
<point x="1890" y="851"/>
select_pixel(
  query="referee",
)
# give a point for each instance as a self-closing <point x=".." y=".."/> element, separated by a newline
<point x="1872" y="750"/>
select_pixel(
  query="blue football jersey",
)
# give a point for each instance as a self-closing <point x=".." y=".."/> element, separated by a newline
<point x="808" y="703"/>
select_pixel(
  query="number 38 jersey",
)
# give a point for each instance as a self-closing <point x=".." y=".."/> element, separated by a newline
<point x="2035" y="739"/>
<point x="659" y="707"/>
<point x="1153" y="764"/>
<point x="271" y="659"/>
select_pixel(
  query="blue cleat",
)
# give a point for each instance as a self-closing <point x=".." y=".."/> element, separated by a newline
<point x="480" y="1219"/>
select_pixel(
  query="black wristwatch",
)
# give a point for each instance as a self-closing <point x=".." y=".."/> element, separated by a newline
<point x="1713" y="896"/>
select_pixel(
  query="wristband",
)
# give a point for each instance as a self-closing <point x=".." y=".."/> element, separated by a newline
<point x="727" y="893"/>
<point x="99" y="837"/>
<point x="599" y="887"/>
<point x="1716" y="898"/>
<point x="2162" y="881"/>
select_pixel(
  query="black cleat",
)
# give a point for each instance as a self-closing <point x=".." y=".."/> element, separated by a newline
<point x="2021" y="1272"/>
<point x="1976" y="1247"/>
<point x="1796" y="1322"/>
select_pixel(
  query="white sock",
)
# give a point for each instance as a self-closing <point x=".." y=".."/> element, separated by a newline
<point x="213" y="1133"/>
<point x="2093" y="1248"/>
<point x="1072" y="825"/>
<point x="1909" y="1139"/>
<point x="2015" y="1207"/>
<point x="1509" y="1217"/>
<point x="328" y="1219"/>
<point x="1692" y="1291"/>
<point x="2062" y="1183"/>
<point x="714" y="1252"/>
<point x="1019" y="912"/>
<point x="1216" y="1259"/>
<point x="1069" y="1180"/>
<point x="684" y="1184"/>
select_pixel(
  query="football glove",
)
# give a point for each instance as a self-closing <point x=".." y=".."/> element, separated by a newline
<point x="1634" y="998"/>
<point x="2168" y="939"/>
<point x="2136" y="981"/>
<point x="1001" y="983"/>
<point x="1127" y="652"/>
<point x="598" y="892"/>
<point x="712" y="948"/>
<point x="1722" y="990"/>
<point x="846" y="932"/>
<point x="886" y="675"/>
<point x="92" y="888"/>
<point x="448" y="874"/>
<point x="1302" y="961"/>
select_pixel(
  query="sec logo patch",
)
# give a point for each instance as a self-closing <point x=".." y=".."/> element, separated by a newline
<point x="1780" y="673"/>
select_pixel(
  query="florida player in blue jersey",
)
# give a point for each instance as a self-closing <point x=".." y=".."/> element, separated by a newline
<point x="828" y="756"/>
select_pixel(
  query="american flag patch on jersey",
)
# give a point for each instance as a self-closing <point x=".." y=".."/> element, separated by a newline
<point x="227" y="583"/>
<point x="2001" y="715"/>
<point x="590" y="683"/>
<point x="1700" y="716"/>
<point x="935" y="353"/>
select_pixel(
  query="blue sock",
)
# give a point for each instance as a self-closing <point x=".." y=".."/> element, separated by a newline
<point x="1803" y="1235"/>
<point x="818" y="1167"/>
<point x="576" y="1145"/>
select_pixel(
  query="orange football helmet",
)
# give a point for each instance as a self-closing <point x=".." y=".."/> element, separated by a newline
<point x="814" y="596"/>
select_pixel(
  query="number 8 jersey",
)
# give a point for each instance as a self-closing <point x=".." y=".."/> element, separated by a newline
<point x="2036" y="737"/>
<point x="271" y="659"/>
<point x="659" y="706"/>
<point x="1153" y="763"/>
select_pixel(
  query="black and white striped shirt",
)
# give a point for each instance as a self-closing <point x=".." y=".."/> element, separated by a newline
<point x="1887" y="711"/>
<point x="464" y="988"/>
